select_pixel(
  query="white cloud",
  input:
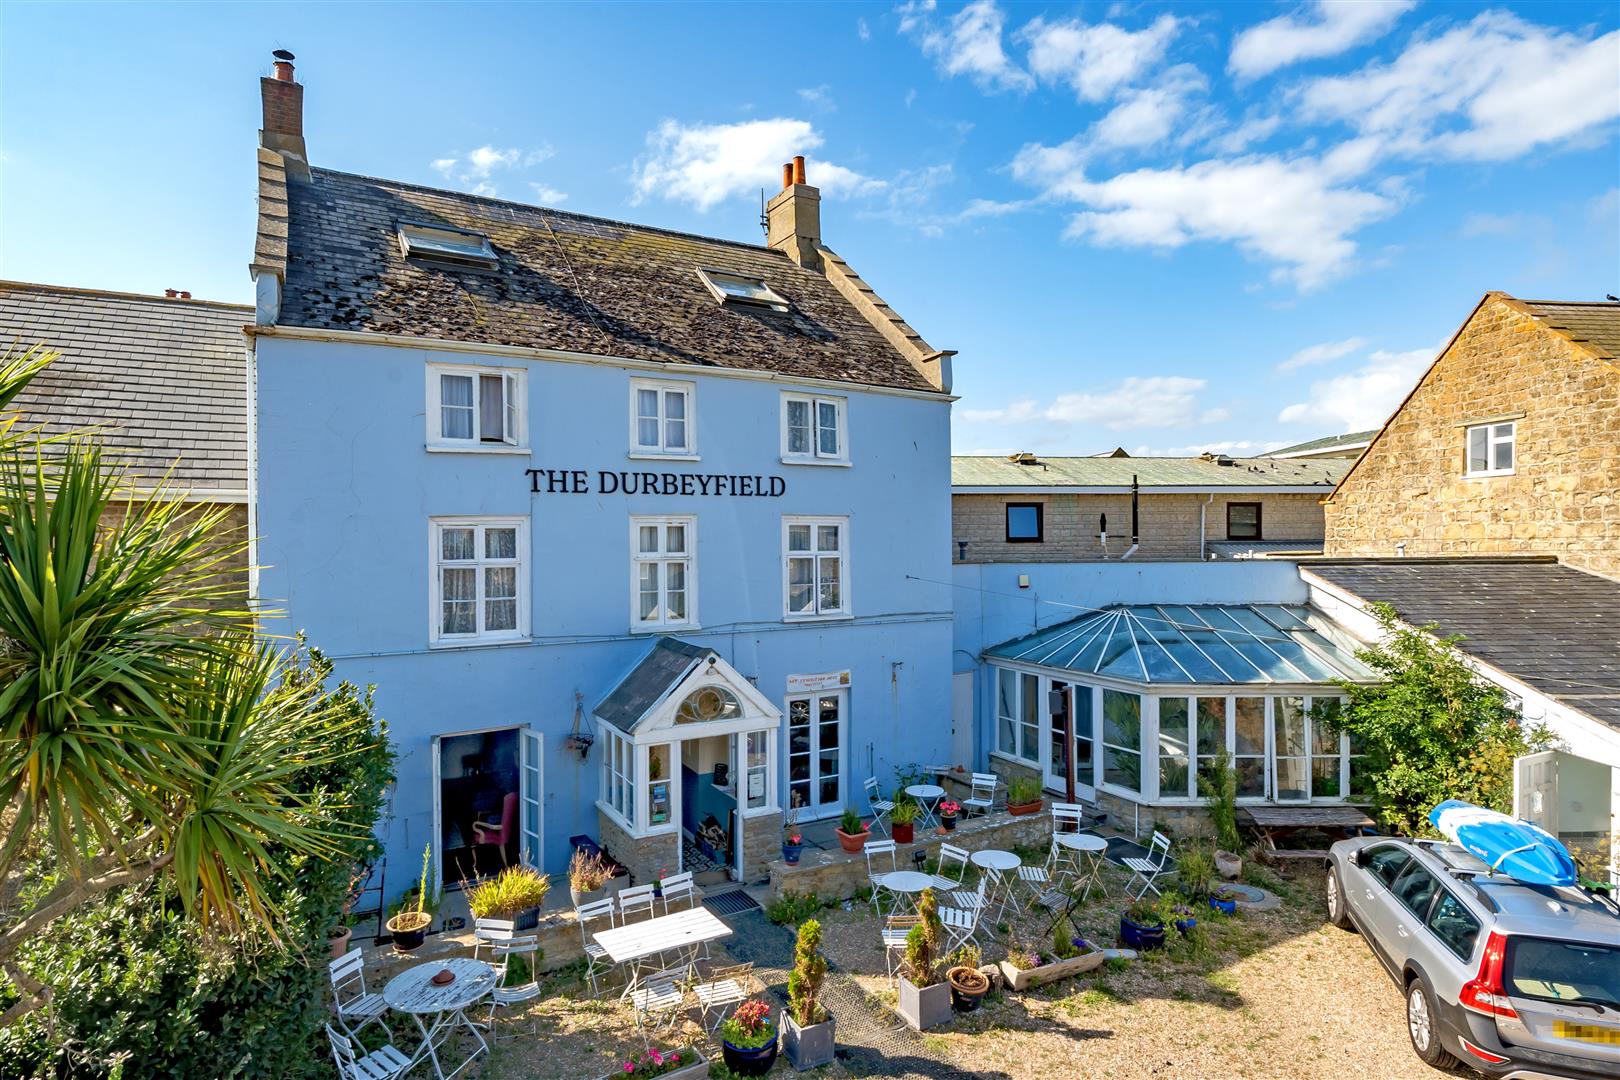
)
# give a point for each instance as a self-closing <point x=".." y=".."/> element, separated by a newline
<point x="862" y="30"/>
<point x="1096" y="60"/>
<point x="474" y="169"/>
<point x="1148" y="116"/>
<point x="819" y="97"/>
<point x="549" y="195"/>
<point x="1137" y="402"/>
<point x="1325" y="28"/>
<point x="1489" y="90"/>
<point x="1232" y="447"/>
<point x="968" y="43"/>
<point x="1325" y="353"/>
<point x="1235" y="140"/>
<point x="705" y="164"/>
<point x="1364" y="398"/>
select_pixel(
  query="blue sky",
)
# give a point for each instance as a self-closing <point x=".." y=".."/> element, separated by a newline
<point x="1166" y="227"/>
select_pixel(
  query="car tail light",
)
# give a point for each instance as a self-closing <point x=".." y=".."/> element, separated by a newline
<point x="1485" y="993"/>
<point x="1484" y="1055"/>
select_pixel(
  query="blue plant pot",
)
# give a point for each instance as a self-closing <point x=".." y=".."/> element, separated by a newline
<point x="791" y="852"/>
<point x="1225" y="907"/>
<point x="755" y="1062"/>
<point x="1186" y="926"/>
<point x="1138" y="936"/>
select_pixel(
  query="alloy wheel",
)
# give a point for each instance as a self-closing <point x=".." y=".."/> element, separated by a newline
<point x="1417" y="1017"/>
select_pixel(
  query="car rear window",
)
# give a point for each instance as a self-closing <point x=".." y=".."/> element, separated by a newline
<point x="1416" y="888"/>
<point x="1454" y="925"/>
<point x="1563" y="970"/>
<point x="1386" y="863"/>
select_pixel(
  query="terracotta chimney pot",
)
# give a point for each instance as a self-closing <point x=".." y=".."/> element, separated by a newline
<point x="798" y="169"/>
<point x="787" y="175"/>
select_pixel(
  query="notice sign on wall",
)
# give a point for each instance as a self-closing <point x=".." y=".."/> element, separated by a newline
<point x="827" y="680"/>
<point x="607" y="482"/>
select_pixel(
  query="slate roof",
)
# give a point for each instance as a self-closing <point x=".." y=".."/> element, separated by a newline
<point x="1547" y="625"/>
<point x="1596" y="325"/>
<point x="1151" y="472"/>
<point x="567" y="282"/>
<point x="161" y="379"/>
<point x="1351" y="440"/>
<point x="665" y="664"/>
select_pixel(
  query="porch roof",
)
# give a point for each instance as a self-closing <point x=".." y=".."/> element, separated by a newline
<point x="654" y="676"/>
<point x="1190" y="645"/>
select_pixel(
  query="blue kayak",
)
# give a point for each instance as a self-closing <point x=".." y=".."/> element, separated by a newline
<point x="1509" y="846"/>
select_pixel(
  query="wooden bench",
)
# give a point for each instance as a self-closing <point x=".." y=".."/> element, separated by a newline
<point x="1278" y="822"/>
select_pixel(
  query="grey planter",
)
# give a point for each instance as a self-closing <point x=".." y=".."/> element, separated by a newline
<point x="808" y="1047"/>
<point x="924" y="1007"/>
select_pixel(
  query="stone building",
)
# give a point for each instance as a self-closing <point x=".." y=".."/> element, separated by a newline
<point x="1508" y="444"/>
<point x="1030" y="509"/>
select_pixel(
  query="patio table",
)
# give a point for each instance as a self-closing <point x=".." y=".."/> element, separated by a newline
<point x="1087" y="849"/>
<point x="909" y="882"/>
<point x="1002" y="863"/>
<point x="681" y="932"/>
<point x="927" y="796"/>
<point x="412" y="991"/>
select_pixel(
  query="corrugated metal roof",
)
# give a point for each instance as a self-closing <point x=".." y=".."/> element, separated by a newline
<point x="1350" y="440"/>
<point x="1151" y="472"/>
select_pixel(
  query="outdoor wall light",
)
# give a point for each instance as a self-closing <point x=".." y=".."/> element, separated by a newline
<point x="961" y="551"/>
<point x="1023" y="581"/>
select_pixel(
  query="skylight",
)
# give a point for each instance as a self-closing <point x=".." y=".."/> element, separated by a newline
<point x="446" y="244"/>
<point x="741" y="288"/>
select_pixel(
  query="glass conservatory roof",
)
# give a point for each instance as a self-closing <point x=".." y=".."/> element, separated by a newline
<point x="1205" y="644"/>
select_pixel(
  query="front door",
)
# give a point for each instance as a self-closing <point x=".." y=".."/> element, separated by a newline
<point x="816" y="759"/>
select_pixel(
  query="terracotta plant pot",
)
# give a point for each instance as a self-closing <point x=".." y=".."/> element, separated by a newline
<point x="339" y="942"/>
<point x="1020" y="809"/>
<point x="852" y="844"/>
<point x="903" y="834"/>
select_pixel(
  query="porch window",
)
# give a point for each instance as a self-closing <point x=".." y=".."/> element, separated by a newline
<point x="1122" y="740"/>
<point x="1210" y="737"/>
<point x="1174" y="741"/>
<point x="658" y="782"/>
<point x="618" y="775"/>
<point x="663" y="572"/>
<point x="757" y="790"/>
<point x="1327" y="756"/>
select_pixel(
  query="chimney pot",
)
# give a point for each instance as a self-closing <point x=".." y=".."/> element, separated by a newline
<point x="798" y="169"/>
<point x="171" y="293"/>
<point x="787" y="175"/>
<point x="793" y="218"/>
<point x="184" y="295"/>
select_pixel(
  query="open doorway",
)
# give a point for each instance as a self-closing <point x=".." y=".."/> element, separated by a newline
<point x="708" y="809"/>
<point x="483" y="801"/>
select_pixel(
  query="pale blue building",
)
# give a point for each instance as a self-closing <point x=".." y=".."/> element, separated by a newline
<point x="641" y="535"/>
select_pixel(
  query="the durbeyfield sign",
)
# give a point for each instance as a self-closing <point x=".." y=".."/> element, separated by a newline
<point x="609" y="482"/>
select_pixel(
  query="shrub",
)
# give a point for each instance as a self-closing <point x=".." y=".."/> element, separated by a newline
<point x="511" y="892"/>
<point x="1219" y="789"/>
<point x="851" y="822"/>
<point x="749" y="1026"/>
<point x="792" y="908"/>
<point x="587" y="872"/>
<point x="804" y="981"/>
<point x="1195" y="868"/>
<point x="1023" y="790"/>
<point x="923" y="942"/>
<point x="1063" y="936"/>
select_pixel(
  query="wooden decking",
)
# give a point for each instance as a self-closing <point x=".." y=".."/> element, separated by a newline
<point x="1276" y="822"/>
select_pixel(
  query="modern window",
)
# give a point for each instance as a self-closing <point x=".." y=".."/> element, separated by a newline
<point x="1018" y="726"/>
<point x="439" y="243"/>
<point x="1490" y="449"/>
<point x="663" y="572"/>
<point x="815" y="565"/>
<point x="658" y="785"/>
<point x="1025" y="523"/>
<point x="479" y="580"/>
<point x="1243" y="521"/>
<point x="471" y="408"/>
<point x="1122" y="740"/>
<point x="814" y="430"/>
<point x="729" y="287"/>
<point x="662" y="420"/>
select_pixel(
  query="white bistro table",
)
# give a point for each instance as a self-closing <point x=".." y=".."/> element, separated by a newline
<point x="910" y="883"/>
<point x="412" y="991"/>
<point x="927" y="796"/>
<point x="1000" y="864"/>
<point x="681" y="932"/>
<point x="1086" y="852"/>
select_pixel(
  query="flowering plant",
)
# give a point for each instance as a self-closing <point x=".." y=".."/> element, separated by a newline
<point x="795" y="838"/>
<point x="658" y="1062"/>
<point x="749" y="1027"/>
<point x="949" y="808"/>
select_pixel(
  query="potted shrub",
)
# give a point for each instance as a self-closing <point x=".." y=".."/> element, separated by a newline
<point x="903" y="818"/>
<point x="687" y="1062"/>
<point x="1219" y="787"/>
<point x="968" y="984"/>
<point x="1024" y="796"/>
<point x="748" y="1039"/>
<point x="1142" y="926"/>
<point x="925" y="1002"/>
<point x="1224" y="901"/>
<point x="409" y="924"/>
<point x="588" y="875"/>
<point x="852" y="832"/>
<point x="792" y="848"/>
<point x="948" y="810"/>
<point x="807" y="1027"/>
<point x="515" y="893"/>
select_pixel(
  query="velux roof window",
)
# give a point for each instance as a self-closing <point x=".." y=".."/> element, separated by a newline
<point x="445" y="244"/>
<point x="740" y="288"/>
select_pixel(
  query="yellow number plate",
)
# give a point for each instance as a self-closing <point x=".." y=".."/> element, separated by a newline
<point x="1586" y="1032"/>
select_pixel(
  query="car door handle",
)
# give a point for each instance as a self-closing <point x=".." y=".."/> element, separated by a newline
<point x="1401" y="930"/>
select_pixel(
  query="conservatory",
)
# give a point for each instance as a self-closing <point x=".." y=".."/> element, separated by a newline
<point x="1134" y="703"/>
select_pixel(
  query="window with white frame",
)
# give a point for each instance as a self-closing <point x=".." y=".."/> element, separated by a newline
<point x="661" y="418"/>
<point x="814" y="566"/>
<point x="1490" y="449"/>
<point x="618" y="776"/>
<point x="814" y="429"/>
<point x="478" y="580"/>
<point x="757" y="782"/>
<point x="1122" y="740"/>
<point x="662" y="571"/>
<point x="1018" y="717"/>
<point x="472" y="408"/>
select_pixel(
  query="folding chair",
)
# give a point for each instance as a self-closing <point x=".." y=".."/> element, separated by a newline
<point x="597" y="960"/>
<point x="895" y="929"/>
<point x="679" y="887"/>
<point x="635" y="900"/>
<point x="659" y="993"/>
<point x="948" y="854"/>
<point x="1066" y="818"/>
<point x="983" y="797"/>
<point x="1147" y="869"/>
<point x="1035" y="880"/>
<point x="974" y="899"/>
<point x="356" y="1006"/>
<point x="879" y="806"/>
<point x="960" y="926"/>
<point x="874" y="874"/>
<point x="725" y="986"/>
<point x="505" y="995"/>
<point x="491" y="933"/>
<point x="381" y="1064"/>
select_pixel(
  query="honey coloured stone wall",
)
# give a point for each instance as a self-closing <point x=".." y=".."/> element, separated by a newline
<point x="1563" y="497"/>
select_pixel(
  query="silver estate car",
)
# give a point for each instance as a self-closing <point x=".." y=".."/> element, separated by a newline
<point x="1514" y="980"/>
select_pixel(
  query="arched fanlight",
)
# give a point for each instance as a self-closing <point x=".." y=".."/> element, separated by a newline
<point x="708" y="703"/>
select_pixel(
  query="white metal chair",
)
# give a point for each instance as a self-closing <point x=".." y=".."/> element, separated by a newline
<point x="874" y="872"/>
<point x="509" y="995"/>
<point x="974" y="899"/>
<point x="679" y="887"/>
<point x="636" y="900"/>
<point x="356" y="1006"/>
<point x="597" y="960"/>
<point x="949" y="854"/>
<point x="659" y="993"/>
<point x="960" y="926"/>
<point x="1066" y="818"/>
<point x="1147" y="869"/>
<point x="1035" y="879"/>
<point x="494" y="933"/>
<point x="725" y="987"/>
<point x="982" y="799"/>
<point x="895" y="929"/>
<point x="380" y="1064"/>
<point x="879" y="806"/>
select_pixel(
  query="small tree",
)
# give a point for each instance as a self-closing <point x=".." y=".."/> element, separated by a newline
<point x="923" y="942"/>
<point x="1219" y="788"/>
<point x="1431" y="729"/>
<point x="804" y="981"/>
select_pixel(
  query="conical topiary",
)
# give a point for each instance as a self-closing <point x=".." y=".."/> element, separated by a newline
<point x="804" y="981"/>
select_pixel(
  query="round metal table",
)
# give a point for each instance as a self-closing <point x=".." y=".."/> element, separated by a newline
<point x="906" y="882"/>
<point x="412" y="991"/>
<point x="999" y="865"/>
<point x="1084" y="862"/>
<point x="927" y="796"/>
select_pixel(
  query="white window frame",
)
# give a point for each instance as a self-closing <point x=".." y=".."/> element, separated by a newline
<point x="660" y="449"/>
<point x="663" y="559"/>
<point x="1492" y="442"/>
<point x="815" y="456"/>
<point x="514" y="394"/>
<point x="436" y="636"/>
<point x="618" y="778"/>
<point x="846" y="608"/>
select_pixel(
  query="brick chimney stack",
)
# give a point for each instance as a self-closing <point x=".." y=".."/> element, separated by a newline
<point x="283" y="129"/>
<point x="794" y="218"/>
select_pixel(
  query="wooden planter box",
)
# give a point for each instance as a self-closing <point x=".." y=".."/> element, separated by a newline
<point x="1020" y="980"/>
<point x="699" y="1066"/>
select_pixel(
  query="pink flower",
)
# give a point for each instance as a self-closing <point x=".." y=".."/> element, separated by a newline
<point x="673" y="1059"/>
<point x="658" y="1059"/>
<point x="629" y="1066"/>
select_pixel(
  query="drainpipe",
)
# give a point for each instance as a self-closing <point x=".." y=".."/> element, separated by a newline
<point x="1135" y="491"/>
<point x="1202" y="530"/>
